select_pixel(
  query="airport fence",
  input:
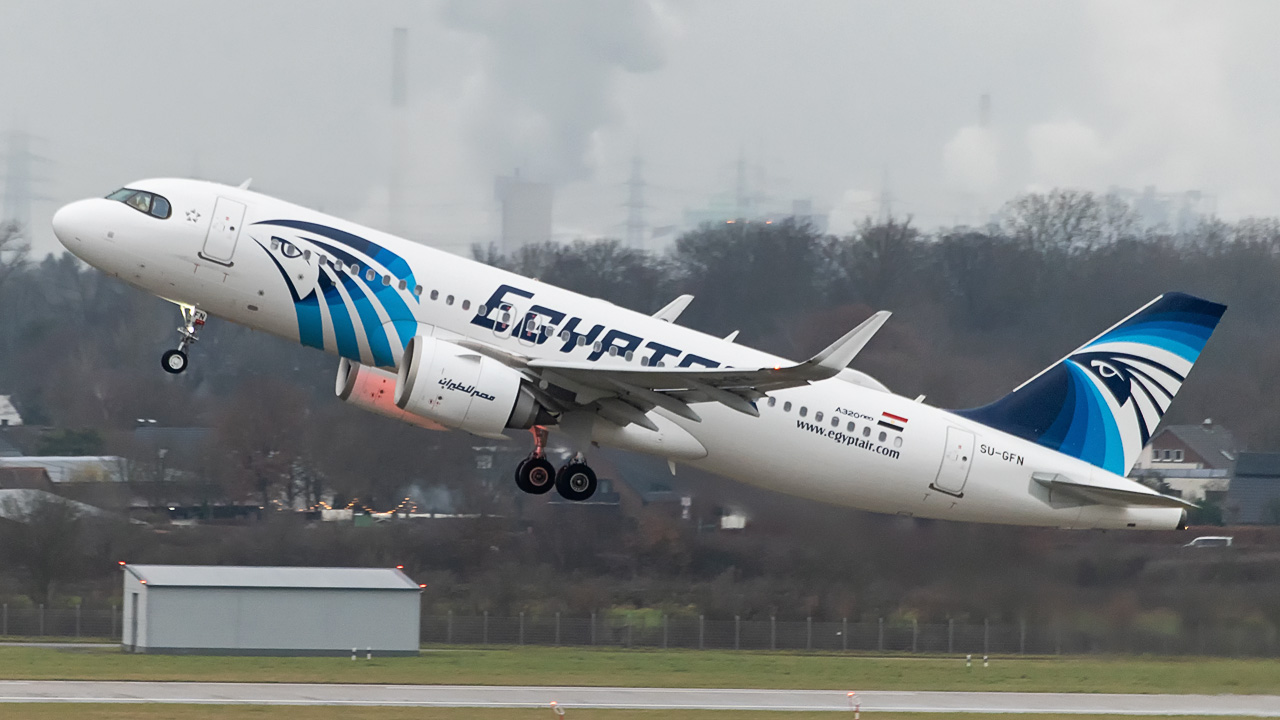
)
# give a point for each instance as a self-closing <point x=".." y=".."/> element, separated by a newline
<point x="880" y="636"/>
<point x="1246" y="638"/>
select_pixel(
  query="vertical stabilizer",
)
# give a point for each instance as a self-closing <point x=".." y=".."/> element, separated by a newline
<point x="1102" y="402"/>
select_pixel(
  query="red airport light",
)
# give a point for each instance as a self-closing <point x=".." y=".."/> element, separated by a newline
<point x="399" y="567"/>
<point x="120" y="562"/>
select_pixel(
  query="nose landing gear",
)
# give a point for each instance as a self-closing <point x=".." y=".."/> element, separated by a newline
<point x="175" y="361"/>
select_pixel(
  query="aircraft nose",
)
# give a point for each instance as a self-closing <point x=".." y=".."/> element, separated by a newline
<point x="72" y="223"/>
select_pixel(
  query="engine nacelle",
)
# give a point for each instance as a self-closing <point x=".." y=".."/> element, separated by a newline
<point x="464" y="389"/>
<point x="374" y="390"/>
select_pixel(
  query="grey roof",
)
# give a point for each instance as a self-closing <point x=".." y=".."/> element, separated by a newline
<point x="1213" y="443"/>
<point x="15" y="503"/>
<point x="230" y="576"/>
<point x="1264" y="464"/>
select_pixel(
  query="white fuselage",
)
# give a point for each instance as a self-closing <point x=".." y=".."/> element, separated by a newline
<point x="900" y="457"/>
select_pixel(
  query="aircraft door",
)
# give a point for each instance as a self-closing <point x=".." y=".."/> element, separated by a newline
<point x="957" y="457"/>
<point x="224" y="231"/>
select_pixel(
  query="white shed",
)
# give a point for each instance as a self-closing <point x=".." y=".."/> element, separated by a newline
<point x="224" y="610"/>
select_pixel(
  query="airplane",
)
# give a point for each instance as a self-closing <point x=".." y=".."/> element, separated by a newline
<point x="443" y="342"/>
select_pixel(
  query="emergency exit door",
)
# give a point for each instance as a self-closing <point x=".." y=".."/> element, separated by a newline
<point x="957" y="456"/>
<point x="224" y="231"/>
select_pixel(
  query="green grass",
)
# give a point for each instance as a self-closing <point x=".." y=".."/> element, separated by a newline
<point x="57" y="711"/>
<point x="646" y="668"/>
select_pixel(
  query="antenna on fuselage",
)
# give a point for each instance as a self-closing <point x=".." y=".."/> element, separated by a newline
<point x="245" y="185"/>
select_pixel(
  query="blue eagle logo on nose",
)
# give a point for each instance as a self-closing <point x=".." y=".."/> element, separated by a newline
<point x="349" y="292"/>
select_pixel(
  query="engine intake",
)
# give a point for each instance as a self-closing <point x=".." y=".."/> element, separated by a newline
<point x="464" y="389"/>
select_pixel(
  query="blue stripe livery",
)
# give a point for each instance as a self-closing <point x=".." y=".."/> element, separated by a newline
<point x="1102" y="403"/>
<point x="364" y="295"/>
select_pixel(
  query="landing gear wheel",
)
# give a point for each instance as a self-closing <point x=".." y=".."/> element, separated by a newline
<point x="193" y="318"/>
<point x="174" y="361"/>
<point x="576" y="481"/>
<point x="535" y="475"/>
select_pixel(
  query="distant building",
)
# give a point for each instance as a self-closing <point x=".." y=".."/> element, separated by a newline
<point x="1254" y="497"/>
<point x="25" y="478"/>
<point x="222" y="610"/>
<point x="725" y="209"/>
<point x="8" y="413"/>
<point x="526" y="211"/>
<point x="1177" y="212"/>
<point x="71" y="469"/>
<point x="1195" y="461"/>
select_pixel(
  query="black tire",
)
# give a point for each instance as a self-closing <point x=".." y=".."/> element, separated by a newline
<point x="535" y="475"/>
<point x="576" y="482"/>
<point x="174" y="362"/>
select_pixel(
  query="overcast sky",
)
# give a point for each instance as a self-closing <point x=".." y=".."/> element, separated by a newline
<point x="827" y="99"/>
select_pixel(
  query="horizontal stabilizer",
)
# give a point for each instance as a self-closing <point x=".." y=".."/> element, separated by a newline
<point x="1137" y="495"/>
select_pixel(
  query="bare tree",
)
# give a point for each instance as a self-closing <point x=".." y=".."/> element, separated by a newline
<point x="14" y="248"/>
<point x="42" y="537"/>
<point x="1069" y="220"/>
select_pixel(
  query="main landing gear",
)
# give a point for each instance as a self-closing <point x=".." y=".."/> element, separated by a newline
<point x="536" y="475"/>
<point x="175" y="361"/>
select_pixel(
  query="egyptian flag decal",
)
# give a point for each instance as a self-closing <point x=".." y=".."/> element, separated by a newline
<point x="893" y="422"/>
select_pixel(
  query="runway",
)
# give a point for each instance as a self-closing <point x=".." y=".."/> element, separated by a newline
<point x="72" y="691"/>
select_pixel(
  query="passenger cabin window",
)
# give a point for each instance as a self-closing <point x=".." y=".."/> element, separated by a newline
<point x="850" y="427"/>
<point x="144" y="202"/>
<point x="835" y="421"/>
<point x="817" y="417"/>
<point x="773" y="401"/>
<point x="803" y="411"/>
<point x="786" y="406"/>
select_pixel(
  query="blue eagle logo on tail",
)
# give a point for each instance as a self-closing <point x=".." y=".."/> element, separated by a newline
<point x="1102" y="402"/>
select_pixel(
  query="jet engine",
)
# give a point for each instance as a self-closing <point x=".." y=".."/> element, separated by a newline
<point x="371" y="389"/>
<point x="464" y="389"/>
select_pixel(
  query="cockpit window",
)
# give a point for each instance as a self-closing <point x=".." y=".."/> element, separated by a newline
<point x="140" y="201"/>
<point x="143" y="202"/>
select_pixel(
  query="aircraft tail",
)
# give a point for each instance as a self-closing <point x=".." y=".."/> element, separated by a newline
<point x="1102" y="402"/>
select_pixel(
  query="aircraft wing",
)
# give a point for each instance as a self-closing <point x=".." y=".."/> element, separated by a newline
<point x="625" y="394"/>
<point x="676" y="388"/>
<point x="1133" y="493"/>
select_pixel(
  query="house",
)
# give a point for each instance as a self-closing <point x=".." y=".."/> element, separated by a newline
<point x="1193" y="461"/>
<point x="1254" y="497"/>
<point x="8" y="449"/>
<point x="9" y="416"/>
